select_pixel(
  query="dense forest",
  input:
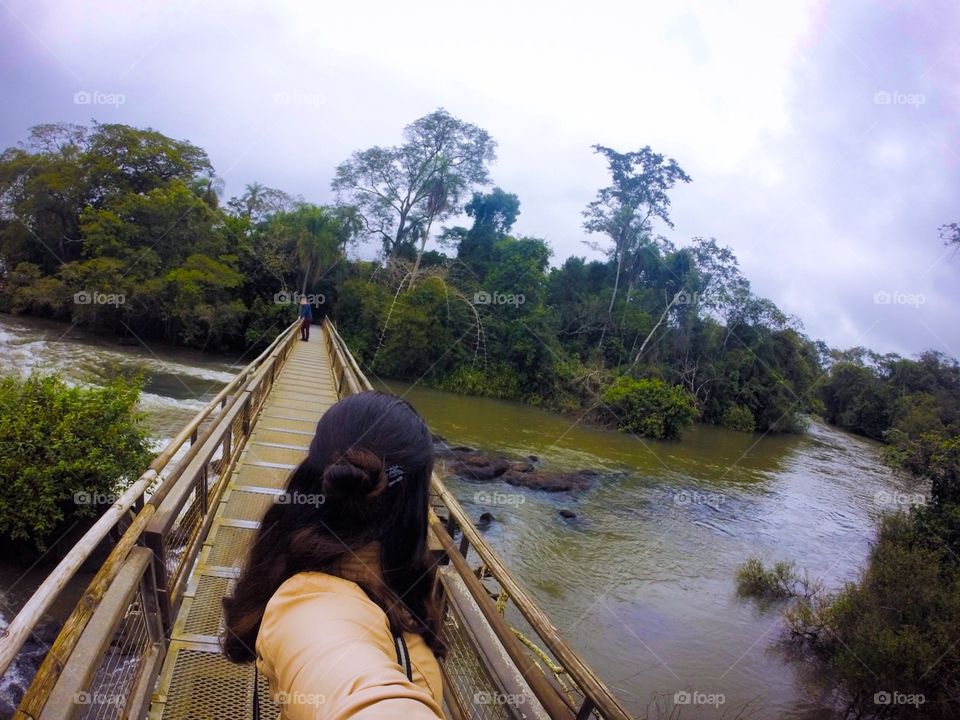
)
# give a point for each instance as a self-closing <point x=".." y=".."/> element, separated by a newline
<point x="124" y="230"/>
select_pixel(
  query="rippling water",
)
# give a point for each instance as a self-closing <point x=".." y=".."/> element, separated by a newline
<point x="642" y="581"/>
<point x="179" y="382"/>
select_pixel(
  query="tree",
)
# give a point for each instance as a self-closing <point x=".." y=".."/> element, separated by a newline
<point x="493" y="214"/>
<point x="258" y="202"/>
<point x="127" y="159"/>
<point x="950" y="234"/>
<point x="316" y="236"/>
<point x="400" y="191"/>
<point x="624" y="211"/>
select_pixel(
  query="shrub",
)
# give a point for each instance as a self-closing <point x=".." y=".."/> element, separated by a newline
<point x="738" y="417"/>
<point x="778" y="582"/>
<point x="63" y="452"/>
<point x="498" y="382"/>
<point x="895" y="630"/>
<point x="650" y="407"/>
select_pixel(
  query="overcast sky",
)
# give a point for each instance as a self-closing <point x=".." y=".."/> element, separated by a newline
<point x="822" y="137"/>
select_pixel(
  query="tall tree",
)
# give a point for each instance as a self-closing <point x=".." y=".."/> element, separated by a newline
<point x="625" y="210"/>
<point x="317" y="237"/>
<point x="494" y="214"/>
<point x="401" y="190"/>
<point x="258" y="202"/>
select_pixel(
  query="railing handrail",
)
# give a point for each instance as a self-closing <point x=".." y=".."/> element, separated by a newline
<point x="594" y="690"/>
<point x="50" y="670"/>
<point x="23" y="624"/>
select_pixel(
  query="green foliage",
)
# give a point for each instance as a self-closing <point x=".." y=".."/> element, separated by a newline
<point x="895" y="630"/>
<point x="396" y="188"/>
<point x="776" y="583"/>
<point x="896" y="399"/>
<point x="498" y="382"/>
<point x="133" y="214"/>
<point x="650" y="407"/>
<point x="64" y="452"/>
<point x="855" y="399"/>
<point x="738" y="417"/>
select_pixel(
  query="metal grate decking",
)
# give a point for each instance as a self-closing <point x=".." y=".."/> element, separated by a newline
<point x="197" y="682"/>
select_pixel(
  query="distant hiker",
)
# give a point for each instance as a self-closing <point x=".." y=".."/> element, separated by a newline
<point x="336" y="602"/>
<point x="306" y="318"/>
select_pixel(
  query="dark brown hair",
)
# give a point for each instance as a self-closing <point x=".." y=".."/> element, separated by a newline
<point x="370" y="460"/>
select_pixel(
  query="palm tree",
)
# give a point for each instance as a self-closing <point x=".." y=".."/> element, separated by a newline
<point x="252" y="198"/>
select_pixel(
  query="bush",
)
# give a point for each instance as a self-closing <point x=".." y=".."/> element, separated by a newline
<point x="779" y="582"/>
<point x="64" y="451"/>
<point x="650" y="407"/>
<point x="498" y="382"/>
<point x="895" y="630"/>
<point x="738" y="417"/>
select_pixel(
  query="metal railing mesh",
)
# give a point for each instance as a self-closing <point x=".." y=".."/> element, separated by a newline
<point x="111" y="690"/>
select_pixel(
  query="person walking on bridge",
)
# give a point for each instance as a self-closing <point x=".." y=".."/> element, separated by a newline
<point x="306" y="318"/>
<point x="336" y="602"/>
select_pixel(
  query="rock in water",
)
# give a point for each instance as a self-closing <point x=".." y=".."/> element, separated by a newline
<point x="471" y="464"/>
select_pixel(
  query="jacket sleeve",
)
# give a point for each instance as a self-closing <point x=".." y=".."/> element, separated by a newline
<point x="329" y="654"/>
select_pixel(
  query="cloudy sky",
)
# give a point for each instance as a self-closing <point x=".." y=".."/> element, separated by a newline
<point x="822" y="137"/>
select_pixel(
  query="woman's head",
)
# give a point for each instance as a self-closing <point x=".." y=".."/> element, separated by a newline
<point x="366" y="477"/>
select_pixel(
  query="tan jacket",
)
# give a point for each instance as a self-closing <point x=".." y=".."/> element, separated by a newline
<point x="328" y="652"/>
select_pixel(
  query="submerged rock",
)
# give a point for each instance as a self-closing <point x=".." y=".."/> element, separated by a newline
<point x="568" y="514"/>
<point x="472" y="464"/>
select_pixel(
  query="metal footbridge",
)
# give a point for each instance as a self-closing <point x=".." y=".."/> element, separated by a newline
<point x="142" y="642"/>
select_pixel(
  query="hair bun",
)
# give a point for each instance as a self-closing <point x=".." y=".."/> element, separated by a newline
<point x="358" y="473"/>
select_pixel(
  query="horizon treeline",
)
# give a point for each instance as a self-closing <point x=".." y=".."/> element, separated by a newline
<point x="124" y="230"/>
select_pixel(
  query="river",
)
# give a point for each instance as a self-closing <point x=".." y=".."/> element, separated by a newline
<point x="642" y="580"/>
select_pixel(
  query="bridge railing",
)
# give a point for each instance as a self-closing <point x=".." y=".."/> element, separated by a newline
<point x="104" y="661"/>
<point x="570" y="689"/>
<point x="111" y="669"/>
<point x="183" y="516"/>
